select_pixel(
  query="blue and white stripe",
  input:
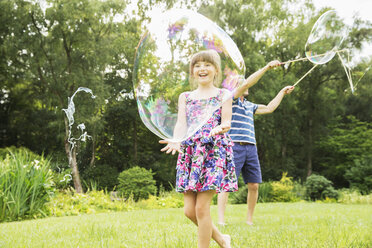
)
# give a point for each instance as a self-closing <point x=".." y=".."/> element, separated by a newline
<point x="242" y="122"/>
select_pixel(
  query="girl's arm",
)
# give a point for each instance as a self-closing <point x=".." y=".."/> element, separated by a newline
<point x="267" y="109"/>
<point x="179" y="129"/>
<point x="226" y="114"/>
<point x="253" y="79"/>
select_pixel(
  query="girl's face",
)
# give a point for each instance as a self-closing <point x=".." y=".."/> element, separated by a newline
<point x="204" y="72"/>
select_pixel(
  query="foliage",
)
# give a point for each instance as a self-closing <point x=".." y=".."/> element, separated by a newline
<point x="138" y="182"/>
<point x="282" y="191"/>
<point x="46" y="54"/>
<point x="348" y="196"/>
<point x="349" y="139"/>
<point x="274" y="191"/>
<point x="68" y="202"/>
<point x="165" y="200"/>
<point x="360" y="175"/>
<point x="105" y="176"/>
<point x="319" y="187"/>
<point x="25" y="185"/>
<point x="62" y="179"/>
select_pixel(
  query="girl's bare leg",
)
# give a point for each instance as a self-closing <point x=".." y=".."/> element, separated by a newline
<point x="190" y="201"/>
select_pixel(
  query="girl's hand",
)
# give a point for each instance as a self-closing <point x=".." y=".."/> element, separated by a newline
<point x="171" y="147"/>
<point x="215" y="131"/>
<point x="223" y="128"/>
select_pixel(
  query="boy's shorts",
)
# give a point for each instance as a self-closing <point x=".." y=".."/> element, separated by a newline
<point x="246" y="161"/>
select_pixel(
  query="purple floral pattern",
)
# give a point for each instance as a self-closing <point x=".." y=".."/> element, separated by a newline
<point x="206" y="163"/>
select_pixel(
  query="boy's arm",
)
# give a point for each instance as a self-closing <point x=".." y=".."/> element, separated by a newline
<point x="267" y="109"/>
<point x="253" y="79"/>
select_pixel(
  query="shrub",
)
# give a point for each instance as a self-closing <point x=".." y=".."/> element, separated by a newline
<point x="319" y="188"/>
<point x="360" y="175"/>
<point x="282" y="191"/>
<point x="240" y="197"/>
<point x="138" y="182"/>
<point x="106" y="177"/>
<point x="349" y="196"/>
<point x="25" y="185"/>
<point x="165" y="200"/>
<point x="265" y="192"/>
<point x="69" y="203"/>
<point x="62" y="179"/>
<point x="299" y="189"/>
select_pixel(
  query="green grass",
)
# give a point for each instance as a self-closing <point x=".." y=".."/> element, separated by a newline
<point x="276" y="225"/>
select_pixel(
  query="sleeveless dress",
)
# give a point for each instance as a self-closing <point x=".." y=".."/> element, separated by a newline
<point x="206" y="163"/>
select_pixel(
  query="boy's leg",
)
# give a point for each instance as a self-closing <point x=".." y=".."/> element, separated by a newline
<point x="251" y="173"/>
<point x="251" y="201"/>
<point x="239" y="159"/>
<point x="221" y="204"/>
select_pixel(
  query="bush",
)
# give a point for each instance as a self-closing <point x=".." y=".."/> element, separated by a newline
<point x="319" y="188"/>
<point x="349" y="196"/>
<point x="25" y="185"/>
<point x="165" y="200"/>
<point x="69" y="203"/>
<point x="282" y="191"/>
<point x="62" y="179"/>
<point x="138" y="182"/>
<point x="360" y="175"/>
<point x="299" y="189"/>
<point x="264" y="194"/>
<point x="276" y="191"/>
<point x="106" y="177"/>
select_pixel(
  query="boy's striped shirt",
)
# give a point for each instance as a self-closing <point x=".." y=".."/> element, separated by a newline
<point x="242" y="122"/>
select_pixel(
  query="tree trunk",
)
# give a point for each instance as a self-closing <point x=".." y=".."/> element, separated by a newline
<point x="135" y="141"/>
<point x="93" y="152"/>
<point x="310" y="148"/>
<point x="71" y="155"/>
<point x="75" y="173"/>
<point x="284" y="156"/>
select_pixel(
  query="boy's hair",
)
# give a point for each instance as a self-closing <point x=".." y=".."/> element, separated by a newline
<point x="206" y="56"/>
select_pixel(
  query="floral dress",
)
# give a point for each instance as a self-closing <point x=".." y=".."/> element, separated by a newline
<point x="206" y="163"/>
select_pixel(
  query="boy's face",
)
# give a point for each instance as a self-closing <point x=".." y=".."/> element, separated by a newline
<point x="246" y="93"/>
<point x="204" y="72"/>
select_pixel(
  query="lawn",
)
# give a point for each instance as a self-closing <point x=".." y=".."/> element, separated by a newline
<point x="276" y="225"/>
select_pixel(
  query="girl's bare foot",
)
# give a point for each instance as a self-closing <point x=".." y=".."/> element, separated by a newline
<point x="227" y="240"/>
<point x="249" y="223"/>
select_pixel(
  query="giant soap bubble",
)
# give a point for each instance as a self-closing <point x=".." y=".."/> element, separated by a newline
<point x="161" y="68"/>
<point x="325" y="38"/>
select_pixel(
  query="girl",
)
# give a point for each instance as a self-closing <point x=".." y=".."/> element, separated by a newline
<point x="205" y="161"/>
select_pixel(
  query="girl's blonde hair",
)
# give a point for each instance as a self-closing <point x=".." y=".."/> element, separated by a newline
<point x="210" y="56"/>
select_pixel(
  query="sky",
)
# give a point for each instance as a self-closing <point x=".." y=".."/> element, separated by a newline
<point x="347" y="8"/>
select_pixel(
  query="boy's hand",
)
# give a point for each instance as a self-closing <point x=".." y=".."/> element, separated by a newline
<point x="288" y="90"/>
<point x="171" y="147"/>
<point x="273" y="64"/>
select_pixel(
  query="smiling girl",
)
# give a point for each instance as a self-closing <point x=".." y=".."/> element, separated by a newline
<point x="205" y="162"/>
